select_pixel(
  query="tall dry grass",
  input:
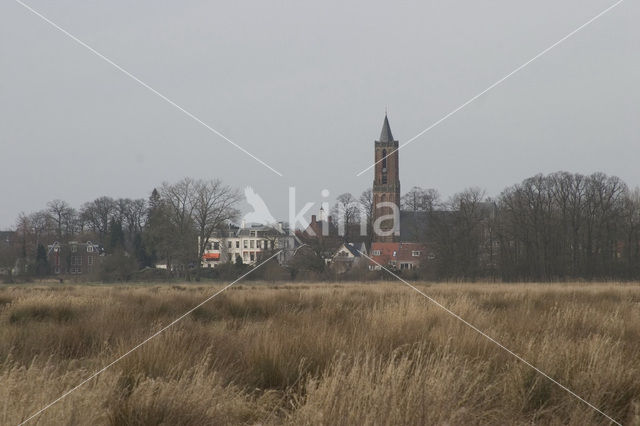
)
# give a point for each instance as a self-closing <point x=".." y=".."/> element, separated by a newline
<point x="320" y="354"/>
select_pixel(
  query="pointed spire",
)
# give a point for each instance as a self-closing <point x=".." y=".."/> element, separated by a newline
<point x="385" y="134"/>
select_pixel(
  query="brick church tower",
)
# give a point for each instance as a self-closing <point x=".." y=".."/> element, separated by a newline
<point x="386" y="184"/>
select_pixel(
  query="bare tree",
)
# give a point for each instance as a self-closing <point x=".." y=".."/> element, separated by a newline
<point x="177" y="200"/>
<point x="97" y="214"/>
<point x="347" y="212"/>
<point x="132" y="214"/>
<point x="458" y="235"/>
<point x="366" y="207"/>
<point x="214" y="205"/>
<point x="420" y="200"/>
<point x="61" y="213"/>
<point x="41" y="226"/>
<point x="631" y="213"/>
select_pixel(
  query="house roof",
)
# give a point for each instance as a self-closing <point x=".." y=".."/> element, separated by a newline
<point x="354" y="251"/>
<point x="316" y="227"/>
<point x="96" y="247"/>
<point x="414" y="225"/>
<point x="262" y="229"/>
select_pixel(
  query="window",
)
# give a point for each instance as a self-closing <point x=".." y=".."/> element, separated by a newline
<point x="252" y="244"/>
<point x="253" y="256"/>
<point x="416" y="253"/>
<point x="228" y="244"/>
<point x="376" y="252"/>
<point x="208" y="246"/>
<point x="216" y="245"/>
<point x="89" y="249"/>
<point x="74" y="249"/>
<point x="238" y="244"/>
<point x="89" y="260"/>
<point x="394" y="253"/>
<point x="384" y="166"/>
<point x="245" y="243"/>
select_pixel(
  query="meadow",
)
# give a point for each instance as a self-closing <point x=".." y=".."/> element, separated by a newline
<point x="327" y="354"/>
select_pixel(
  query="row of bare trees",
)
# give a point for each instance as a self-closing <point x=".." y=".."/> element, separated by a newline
<point x="96" y="220"/>
<point x="556" y="227"/>
<point x="569" y="226"/>
<point x="164" y="228"/>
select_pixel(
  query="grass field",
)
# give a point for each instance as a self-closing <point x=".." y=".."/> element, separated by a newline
<point x="320" y="354"/>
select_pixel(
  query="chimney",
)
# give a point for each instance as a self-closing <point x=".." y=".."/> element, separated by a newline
<point x="313" y="218"/>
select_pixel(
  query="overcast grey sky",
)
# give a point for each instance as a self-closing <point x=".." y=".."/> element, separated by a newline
<point x="304" y="86"/>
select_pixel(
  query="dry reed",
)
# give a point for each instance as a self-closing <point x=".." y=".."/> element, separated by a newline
<point x="321" y="354"/>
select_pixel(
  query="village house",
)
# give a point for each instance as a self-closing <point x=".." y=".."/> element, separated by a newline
<point x="74" y="258"/>
<point x="397" y="256"/>
<point x="347" y="256"/>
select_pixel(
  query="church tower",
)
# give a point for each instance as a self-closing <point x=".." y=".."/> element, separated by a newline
<point x="386" y="185"/>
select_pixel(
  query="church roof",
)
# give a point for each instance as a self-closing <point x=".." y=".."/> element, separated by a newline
<point x="385" y="134"/>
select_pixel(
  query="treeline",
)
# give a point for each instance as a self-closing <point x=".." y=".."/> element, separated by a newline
<point x="561" y="226"/>
<point x="136" y="233"/>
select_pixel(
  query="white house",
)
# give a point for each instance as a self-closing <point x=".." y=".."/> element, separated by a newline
<point x="250" y="244"/>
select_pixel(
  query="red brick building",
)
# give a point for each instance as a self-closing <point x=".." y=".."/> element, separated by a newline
<point x="74" y="258"/>
<point x="397" y="256"/>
